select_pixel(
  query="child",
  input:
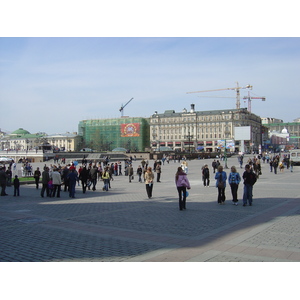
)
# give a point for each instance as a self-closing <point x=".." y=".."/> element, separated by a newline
<point x="50" y="187"/>
<point x="16" y="186"/>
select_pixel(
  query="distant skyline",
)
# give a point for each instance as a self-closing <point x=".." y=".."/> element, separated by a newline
<point x="50" y="84"/>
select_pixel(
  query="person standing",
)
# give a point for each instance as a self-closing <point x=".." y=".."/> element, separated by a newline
<point x="249" y="180"/>
<point x="130" y="172"/>
<point x="221" y="178"/>
<point x="149" y="177"/>
<point x="182" y="183"/>
<point x="139" y="172"/>
<point x="93" y="173"/>
<point x="45" y="181"/>
<point x="214" y="165"/>
<point x="105" y="177"/>
<point x="234" y="179"/>
<point x="56" y="181"/>
<point x="275" y="165"/>
<point x="3" y="181"/>
<point x="16" y="186"/>
<point x="83" y="176"/>
<point x="37" y="175"/>
<point x="72" y="176"/>
<point x="158" y="171"/>
<point x="205" y="175"/>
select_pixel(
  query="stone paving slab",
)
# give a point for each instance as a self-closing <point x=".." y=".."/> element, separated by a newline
<point x="124" y="225"/>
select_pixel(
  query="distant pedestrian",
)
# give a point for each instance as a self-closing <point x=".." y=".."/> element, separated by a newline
<point x="16" y="186"/>
<point x="37" y="175"/>
<point x="56" y="181"/>
<point x="149" y="177"/>
<point x="130" y="172"/>
<point x="94" y="174"/>
<point x="214" y="166"/>
<point x="106" y="177"/>
<point x="158" y="171"/>
<point x="182" y="183"/>
<point x="249" y="180"/>
<point x="205" y="176"/>
<point x="234" y="179"/>
<point x="73" y="178"/>
<point x="139" y="172"/>
<point x="221" y="178"/>
<point x="45" y="181"/>
<point x="3" y="181"/>
<point x="83" y="176"/>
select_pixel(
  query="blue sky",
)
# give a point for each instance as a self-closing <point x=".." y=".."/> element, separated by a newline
<point x="50" y="84"/>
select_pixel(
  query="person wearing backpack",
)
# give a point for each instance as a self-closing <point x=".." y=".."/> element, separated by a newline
<point x="234" y="179"/>
<point x="249" y="180"/>
<point x="221" y="178"/>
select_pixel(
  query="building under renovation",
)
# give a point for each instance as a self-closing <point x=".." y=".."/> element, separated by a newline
<point x="109" y="134"/>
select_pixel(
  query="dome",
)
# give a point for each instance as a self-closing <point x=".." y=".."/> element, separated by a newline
<point x="20" y="131"/>
<point x="284" y="130"/>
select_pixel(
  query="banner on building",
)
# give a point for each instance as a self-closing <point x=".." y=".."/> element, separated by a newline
<point x="130" y="129"/>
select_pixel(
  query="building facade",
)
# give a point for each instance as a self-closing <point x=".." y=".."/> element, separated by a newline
<point x="202" y="130"/>
<point x="108" y="134"/>
<point x="23" y="140"/>
<point x="292" y="128"/>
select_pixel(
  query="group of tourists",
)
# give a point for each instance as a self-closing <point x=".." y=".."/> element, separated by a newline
<point x="54" y="178"/>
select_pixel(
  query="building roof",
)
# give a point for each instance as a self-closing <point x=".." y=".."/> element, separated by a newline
<point x="20" y="131"/>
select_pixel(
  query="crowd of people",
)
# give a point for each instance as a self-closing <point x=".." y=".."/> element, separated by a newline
<point x="55" y="178"/>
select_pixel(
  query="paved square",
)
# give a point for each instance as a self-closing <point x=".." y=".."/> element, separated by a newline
<point x="124" y="225"/>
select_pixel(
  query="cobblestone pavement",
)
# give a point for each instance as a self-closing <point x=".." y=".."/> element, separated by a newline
<point x="123" y="225"/>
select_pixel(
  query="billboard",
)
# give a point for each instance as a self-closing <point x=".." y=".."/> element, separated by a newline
<point x="130" y="130"/>
<point x="242" y="133"/>
<point x="229" y="144"/>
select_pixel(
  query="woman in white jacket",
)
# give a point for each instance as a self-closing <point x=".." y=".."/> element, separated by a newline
<point x="182" y="183"/>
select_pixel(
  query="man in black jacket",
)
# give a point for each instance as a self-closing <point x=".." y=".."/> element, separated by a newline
<point x="249" y="180"/>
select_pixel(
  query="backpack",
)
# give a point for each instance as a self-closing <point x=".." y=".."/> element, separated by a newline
<point x="253" y="178"/>
<point x="206" y="172"/>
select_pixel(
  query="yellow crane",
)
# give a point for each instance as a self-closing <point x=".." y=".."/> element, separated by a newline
<point x="237" y="89"/>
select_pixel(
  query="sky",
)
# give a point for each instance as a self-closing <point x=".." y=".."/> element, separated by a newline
<point x="50" y="83"/>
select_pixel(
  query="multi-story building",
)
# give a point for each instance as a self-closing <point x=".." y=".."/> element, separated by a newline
<point x="23" y="140"/>
<point x="202" y="130"/>
<point x="293" y="130"/>
<point x="107" y="134"/>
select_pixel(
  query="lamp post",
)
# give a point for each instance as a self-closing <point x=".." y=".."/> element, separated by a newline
<point x="225" y="155"/>
<point x="189" y="137"/>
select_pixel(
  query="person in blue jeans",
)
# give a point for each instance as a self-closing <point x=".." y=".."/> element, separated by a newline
<point x="249" y="180"/>
<point x="234" y="179"/>
<point x="72" y="177"/>
<point x="221" y="178"/>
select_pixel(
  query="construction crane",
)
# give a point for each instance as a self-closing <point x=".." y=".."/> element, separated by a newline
<point x="122" y="107"/>
<point x="250" y="99"/>
<point x="237" y="89"/>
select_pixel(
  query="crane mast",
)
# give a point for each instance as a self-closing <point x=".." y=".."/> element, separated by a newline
<point x="237" y="89"/>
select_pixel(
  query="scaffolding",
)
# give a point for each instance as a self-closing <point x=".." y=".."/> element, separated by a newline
<point x="106" y="134"/>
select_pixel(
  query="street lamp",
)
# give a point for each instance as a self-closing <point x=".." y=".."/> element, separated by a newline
<point x="189" y="137"/>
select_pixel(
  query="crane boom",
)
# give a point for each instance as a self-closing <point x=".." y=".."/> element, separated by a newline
<point x="237" y="88"/>
<point x="122" y="107"/>
<point x="250" y="99"/>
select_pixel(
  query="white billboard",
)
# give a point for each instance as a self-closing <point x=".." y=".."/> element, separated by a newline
<point x="242" y="133"/>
